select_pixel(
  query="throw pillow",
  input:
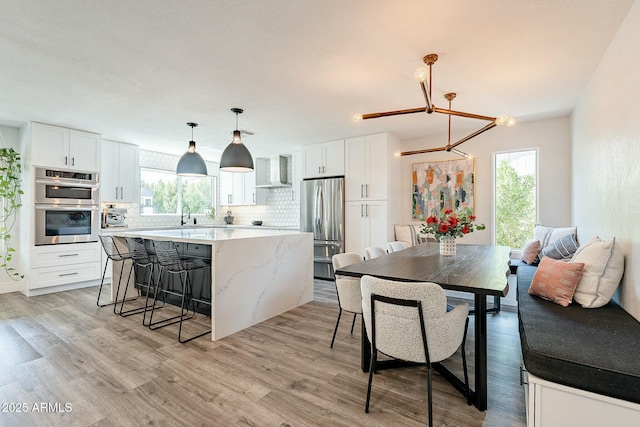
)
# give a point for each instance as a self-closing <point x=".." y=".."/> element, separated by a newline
<point x="409" y="234"/>
<point x="562" y="248"/>
<point x="556" y="281"/>
<point x="604" y="266"/>
<point x="547" y="235"/>
<point x="530" y="252"/>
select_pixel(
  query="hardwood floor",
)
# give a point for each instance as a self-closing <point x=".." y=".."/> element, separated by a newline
<point x="66" y="362"/>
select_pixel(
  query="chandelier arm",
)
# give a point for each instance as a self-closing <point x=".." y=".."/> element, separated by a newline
<point x="472" y="135"/>
<point x="427" y="97"/>
<point x="426" y="150"/>
<point x="463" y="114"/>
<point x="393" y="113"/>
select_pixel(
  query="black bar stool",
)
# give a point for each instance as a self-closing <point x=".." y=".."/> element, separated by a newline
<point x="171" y="263"/>
<point x="147" y="263"/>
<point x="115" y="255"/>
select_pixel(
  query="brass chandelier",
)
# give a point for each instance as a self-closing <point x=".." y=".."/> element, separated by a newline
<point x="424" y="77"/>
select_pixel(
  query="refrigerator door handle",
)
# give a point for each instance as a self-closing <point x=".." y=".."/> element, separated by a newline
<point x="317" y="218"/>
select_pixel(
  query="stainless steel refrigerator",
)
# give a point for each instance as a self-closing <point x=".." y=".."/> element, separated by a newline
<point x="322" y="213"/>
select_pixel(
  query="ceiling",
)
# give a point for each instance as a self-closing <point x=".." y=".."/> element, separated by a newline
<point x="138" y="71"/>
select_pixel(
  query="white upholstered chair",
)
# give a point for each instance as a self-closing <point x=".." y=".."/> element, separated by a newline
<point x="410" y="322"/>
<point x="396" y="246"/>
<point x="348" y="289"/>
<point x="374" y="252"/>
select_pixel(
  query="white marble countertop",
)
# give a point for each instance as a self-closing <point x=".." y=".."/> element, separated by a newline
<point x="204" y="234"/>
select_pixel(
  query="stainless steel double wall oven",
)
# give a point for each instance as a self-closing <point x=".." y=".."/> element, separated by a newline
<point x="67" y="206"/>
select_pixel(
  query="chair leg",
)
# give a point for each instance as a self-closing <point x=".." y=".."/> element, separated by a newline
<point x="164" y="322"/>
<point x="354" y="321"/>
<point x="372" y="367"/>
<point x="429" y="396"/>
<point x="104" y="272"/>
<point x="336" y="328"/>
<point x="187" y="293"/>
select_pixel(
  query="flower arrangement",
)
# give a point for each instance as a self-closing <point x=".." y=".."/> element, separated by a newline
<point x="449" y="223"/>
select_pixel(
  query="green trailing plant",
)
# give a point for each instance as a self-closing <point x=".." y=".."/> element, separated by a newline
<point x="10" y="198"/>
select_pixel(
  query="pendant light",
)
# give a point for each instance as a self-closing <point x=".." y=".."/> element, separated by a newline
<point x="191" y="163"/>
<point x="236" y="157"/>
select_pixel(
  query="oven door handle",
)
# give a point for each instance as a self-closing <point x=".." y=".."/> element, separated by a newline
<point x="40" y="206"/>
<point x="77" y="184"/>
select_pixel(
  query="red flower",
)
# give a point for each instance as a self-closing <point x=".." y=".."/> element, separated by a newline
<point x="444" y="228"/>
<point x="472" y="217"/>
<point x="453" y="221"/>
<point x="432" y="220"/>
<point x="448" y="211"/>
<point x="465" y="229"/>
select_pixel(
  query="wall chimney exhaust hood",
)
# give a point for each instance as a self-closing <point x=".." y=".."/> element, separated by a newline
<point x="271" y="172"/>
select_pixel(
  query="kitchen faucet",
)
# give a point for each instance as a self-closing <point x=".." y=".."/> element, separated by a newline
<point x="182" y="221"/>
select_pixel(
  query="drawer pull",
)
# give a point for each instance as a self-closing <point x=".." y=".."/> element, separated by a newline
<point x="65" y="255"/>
<point x="67" y="274"/>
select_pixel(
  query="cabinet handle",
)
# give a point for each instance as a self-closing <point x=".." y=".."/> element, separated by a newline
<point x="116" y="193"/>
<point x="361" y="190"/>
<point x="254" y="197"/>
<point x="66" y="160"/>
<point x="293" y="196"/>
<point x="366" y="210"/>
<point x="366" y="190"/>
<point x="121" y="193"/>
<point x="323" y="169"/>
<point x="67" y="274"/>
<point x="73" y="161"/>
<point x="319" y="169"/>
<point x="65" y="255"/>
<point x="361" y="210"/>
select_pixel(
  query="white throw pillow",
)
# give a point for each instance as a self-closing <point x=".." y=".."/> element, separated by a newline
<point x="603" y="269"/>
<point x="548" y="235"/>
<point x="409" y="234"/>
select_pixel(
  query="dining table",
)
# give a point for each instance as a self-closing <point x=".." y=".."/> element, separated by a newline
<point x="481" y="270"/>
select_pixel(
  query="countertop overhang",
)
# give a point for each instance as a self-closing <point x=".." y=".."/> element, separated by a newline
<point x="204" y="235"/>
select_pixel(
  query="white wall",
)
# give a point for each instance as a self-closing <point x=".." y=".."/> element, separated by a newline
<point x="552" y="137"/>
<point x="11" y="136"/>
<point x="606" y="155"/>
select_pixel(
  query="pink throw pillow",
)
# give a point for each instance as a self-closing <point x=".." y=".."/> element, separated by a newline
<point x="556" y="280"/>
<point x="530" y="251"/>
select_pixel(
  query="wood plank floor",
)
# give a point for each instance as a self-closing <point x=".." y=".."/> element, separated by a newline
<point x="66" y="362"/>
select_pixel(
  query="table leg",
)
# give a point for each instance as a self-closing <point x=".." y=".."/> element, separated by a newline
<point x="365" y="350"/>
<point x="480" y="326"/>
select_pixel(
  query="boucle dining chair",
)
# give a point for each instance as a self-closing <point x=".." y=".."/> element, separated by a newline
<point x="410" y="322"/>
<point x="396" y="246"/>
<point x="374" y="252"/>
<point x="348" y="289"/>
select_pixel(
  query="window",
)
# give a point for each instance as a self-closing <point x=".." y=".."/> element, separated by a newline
<point x="163" y="192"/>
<point x="515" y="197"/>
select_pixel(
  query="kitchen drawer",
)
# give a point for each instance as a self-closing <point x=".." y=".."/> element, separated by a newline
<point x="196" y="250"/>
<point x="70" y="254"/>
<point x="63" y="275"/>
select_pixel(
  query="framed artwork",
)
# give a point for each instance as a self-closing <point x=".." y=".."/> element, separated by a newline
<point x="442" y="185"/>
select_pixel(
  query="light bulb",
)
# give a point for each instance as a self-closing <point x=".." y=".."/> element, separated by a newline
<point x="511" y="121"/>
<point x="502" y="120"/>
<point x="397" y="154"/>
<point x="357" y="118"/>
<point x="421" y="74"/>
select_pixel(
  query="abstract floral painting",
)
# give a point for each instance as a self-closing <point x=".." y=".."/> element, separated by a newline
<point x="442" y="185"/>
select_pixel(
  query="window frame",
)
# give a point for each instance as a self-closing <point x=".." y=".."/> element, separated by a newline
<point x="178" y="192"/>
<point x="515" y="251"/>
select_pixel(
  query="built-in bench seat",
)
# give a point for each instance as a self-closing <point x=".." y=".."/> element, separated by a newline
<point x="594" y="350"/>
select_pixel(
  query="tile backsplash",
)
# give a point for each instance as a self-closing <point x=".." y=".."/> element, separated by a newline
<point x="280" y="208"/>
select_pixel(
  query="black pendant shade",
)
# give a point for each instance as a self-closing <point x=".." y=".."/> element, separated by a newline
<point x="191" y="163"/>
<point x="236" y="157"/>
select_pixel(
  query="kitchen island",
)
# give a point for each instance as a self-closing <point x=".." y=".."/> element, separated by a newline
<point x="255" y="273"/>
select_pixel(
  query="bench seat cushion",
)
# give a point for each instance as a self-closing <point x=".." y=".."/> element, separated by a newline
<point x="590" y="349"/>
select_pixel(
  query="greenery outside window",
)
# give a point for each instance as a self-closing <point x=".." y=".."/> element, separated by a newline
<point x="515" y="197"/>
<point x="163" y="192"/>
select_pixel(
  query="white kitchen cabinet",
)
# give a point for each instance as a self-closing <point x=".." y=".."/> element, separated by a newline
<point x="64" y="148"/>
<point x="369" y="162"/>
<point x="366" y="224"/>
<point x="324" y="160"/>
<point x="63" y="265"/>
<point x="297" y="172"/>
<point x="119" y="174"/>
<point x="240" y="189"/>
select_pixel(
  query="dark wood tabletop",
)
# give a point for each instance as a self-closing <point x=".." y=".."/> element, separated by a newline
<point x="479" y="269"/>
